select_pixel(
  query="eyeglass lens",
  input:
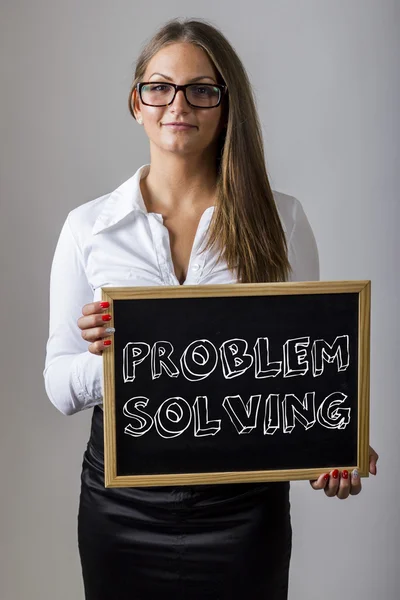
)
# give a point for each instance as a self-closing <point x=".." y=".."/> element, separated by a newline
<point x="200" y="95"/>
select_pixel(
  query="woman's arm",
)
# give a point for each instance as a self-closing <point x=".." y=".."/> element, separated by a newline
<point x="72" y="375"/>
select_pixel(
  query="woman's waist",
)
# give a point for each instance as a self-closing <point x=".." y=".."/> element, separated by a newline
<point x="180" y="494"/>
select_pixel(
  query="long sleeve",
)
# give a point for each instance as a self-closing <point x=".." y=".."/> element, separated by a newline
<point x="302" y="247"/>
<point x="72" y="375"/>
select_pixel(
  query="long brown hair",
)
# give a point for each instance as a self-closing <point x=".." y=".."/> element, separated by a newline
<point x="245" y="228"/>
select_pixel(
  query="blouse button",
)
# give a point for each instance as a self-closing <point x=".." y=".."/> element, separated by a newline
<point x="196" y="267"/>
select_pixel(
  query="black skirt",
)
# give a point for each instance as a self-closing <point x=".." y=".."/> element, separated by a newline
<point x="198" y="542"/>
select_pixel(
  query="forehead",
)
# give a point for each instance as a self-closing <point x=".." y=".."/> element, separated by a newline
<point x="181" y="60"/>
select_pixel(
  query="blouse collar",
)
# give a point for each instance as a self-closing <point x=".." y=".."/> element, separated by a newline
<point x="122" y="201"/>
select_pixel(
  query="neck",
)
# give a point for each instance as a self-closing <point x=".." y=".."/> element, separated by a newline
<point x="179" y="182"/>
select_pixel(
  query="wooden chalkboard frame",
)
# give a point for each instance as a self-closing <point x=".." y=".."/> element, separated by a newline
<point x="361" y="287"/>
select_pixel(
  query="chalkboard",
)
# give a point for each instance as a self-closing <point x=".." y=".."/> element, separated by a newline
<point x="236" y="383"/>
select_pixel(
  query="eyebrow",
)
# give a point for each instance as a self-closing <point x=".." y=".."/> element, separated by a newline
<point x="190" y="80"/>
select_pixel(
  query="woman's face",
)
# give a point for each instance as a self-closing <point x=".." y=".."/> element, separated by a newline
<point x="180" y="63"/>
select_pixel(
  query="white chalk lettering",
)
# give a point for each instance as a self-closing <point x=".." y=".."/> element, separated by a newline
<point x="264" y="368"/>
<point x="202" y="426"/>
<point x="272" y="414"/>
<point x="175" y="414"/>
<point x="322" y="351"/>
<point x="243" y="416"/>
<point x="294" y="409"/>
<point x="293" y="357"/>
<point x="234" y="358"/>
<point x="145" y="422"/>
<point x="133" y="354"/>
<point x="199" y="360"/>
<point x="160" y="359"/>
<point x="173" y="417"/>
<point x="330" y="415"/>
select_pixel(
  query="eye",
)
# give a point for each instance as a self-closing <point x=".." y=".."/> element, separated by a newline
<point x="202" y="91"/>
<point x="157" y="87"/>
<point x="205" y="90"/>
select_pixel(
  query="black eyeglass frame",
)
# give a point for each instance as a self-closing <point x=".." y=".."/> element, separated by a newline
<point x="222" y="88"/>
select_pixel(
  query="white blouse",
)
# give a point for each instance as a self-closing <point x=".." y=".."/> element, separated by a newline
<point x="114" y="241"/>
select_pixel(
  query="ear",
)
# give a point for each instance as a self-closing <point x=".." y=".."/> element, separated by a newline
<point x="135" y="104"/>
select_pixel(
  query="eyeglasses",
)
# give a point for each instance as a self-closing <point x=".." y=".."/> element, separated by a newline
<point x="198" y="95"/>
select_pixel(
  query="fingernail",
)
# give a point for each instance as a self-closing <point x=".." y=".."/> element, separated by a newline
<point x="326" y="477"/>
<point x="335" y="474"/>
<point x="107" y="343"/>
<point x="106" y="317"/>
<point x="109" y="330"/>
<point x="345" y="474"/>
<point x="104" y="304"/>
<point x="355" y="474"/>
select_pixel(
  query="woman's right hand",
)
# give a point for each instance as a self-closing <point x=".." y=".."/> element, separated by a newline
<point x="95" y="327"/>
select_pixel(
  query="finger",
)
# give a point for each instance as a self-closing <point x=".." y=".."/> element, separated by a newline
<point x="321" y="482"/>
<point x="355" y="487"/>
<point x="95" y="307"/>
<point x="97" y="333"/>
<point x="344" y="486"/>
<point x="99" y="346"/>
<point x="93" y="320"/>
<point x="373" y="459"/>
<point x="333" y="485"/>
<point x="373" y="452"/>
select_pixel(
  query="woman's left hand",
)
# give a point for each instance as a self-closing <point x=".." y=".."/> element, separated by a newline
<point x="341" y="484"/>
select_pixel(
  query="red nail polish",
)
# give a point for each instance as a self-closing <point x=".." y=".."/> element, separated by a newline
<point x="104" y="304"/>
<point x="106" y="317"/>
<point x="345" y="474"/>
<point x="326" y="477"/>
<point x="107" y="343"/>
<point x="335" y="474"/>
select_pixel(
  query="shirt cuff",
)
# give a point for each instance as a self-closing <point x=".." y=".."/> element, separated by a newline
<point x="86" y="379"/>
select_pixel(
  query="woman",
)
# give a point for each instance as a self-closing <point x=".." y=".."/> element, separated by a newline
<point x="202" y="212"/>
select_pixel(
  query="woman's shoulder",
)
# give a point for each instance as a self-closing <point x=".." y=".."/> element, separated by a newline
<point x="81" y="219"/>
<point x="303" y="250"/>
<point x="85" y="215"/>
<point x="287" y="207"/>
<point x="95" y="215"/>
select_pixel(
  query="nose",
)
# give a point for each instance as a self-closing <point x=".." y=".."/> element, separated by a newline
<point x="180" y="101"/>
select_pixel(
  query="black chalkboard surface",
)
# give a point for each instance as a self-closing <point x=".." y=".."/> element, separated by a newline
<point x="231" y="383"/>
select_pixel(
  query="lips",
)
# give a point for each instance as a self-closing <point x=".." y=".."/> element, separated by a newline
<point x="182" y="125"/>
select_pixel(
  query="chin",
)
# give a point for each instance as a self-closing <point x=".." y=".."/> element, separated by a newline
<point x="179" y="147"/>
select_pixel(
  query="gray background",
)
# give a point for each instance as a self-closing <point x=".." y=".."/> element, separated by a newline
<point x="326" y="76"/>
